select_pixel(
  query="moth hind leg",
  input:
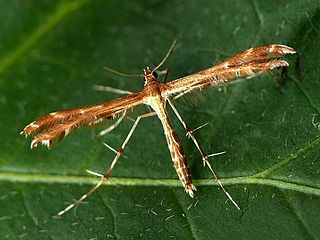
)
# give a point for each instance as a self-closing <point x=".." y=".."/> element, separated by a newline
<point x="106" y="174"/>
<point x="203" y="154"/>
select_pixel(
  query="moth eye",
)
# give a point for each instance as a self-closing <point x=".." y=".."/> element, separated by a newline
<point x="155" y="74"/>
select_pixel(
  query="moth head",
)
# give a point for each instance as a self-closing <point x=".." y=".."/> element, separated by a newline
<point x="149" y="75"/>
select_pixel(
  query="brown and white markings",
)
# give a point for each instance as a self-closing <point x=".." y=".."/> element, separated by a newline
<point x="56" y="125"/>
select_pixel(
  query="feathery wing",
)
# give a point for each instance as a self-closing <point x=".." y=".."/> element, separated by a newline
<point x="56" y="125"/>
<point x="245" y="64"/>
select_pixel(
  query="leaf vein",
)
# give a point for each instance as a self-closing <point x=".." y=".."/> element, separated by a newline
<point x="60" y="12"/>
<point x="287" y="159"/>
<point x="33" y="218"/>
<point x="80" y="180"/>
<point x="113" y="217"/>
<point x="307" y="231"/>
<point x="304" y="92"/>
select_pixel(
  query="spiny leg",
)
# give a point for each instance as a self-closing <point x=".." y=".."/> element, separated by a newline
<point x="181" y="94"/>
<point x="113" y="90"/>
<point x="166" y="76"/>
<point x="113" y="150"/>
<point x="110" y="89"/>
<point x="120" y="151"/>
<point x="203" y="154"/>
<point x="165" y="73"/>
<point x="113" y="126"/>
<point x="189" y="131"/>
<point x="105" y="176"/>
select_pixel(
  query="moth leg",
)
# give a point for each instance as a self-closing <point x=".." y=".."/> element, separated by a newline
<point x="189" y="132"/>
<point x="113" y="126"/>
<point x="165" y="73"/>
<point x="166" y="76"/>
<point x="105" y="176"/>
<point x="203" y="154"/>
<point x="110" y="89"/>
<point x="181" y="94"/>
<point x="121" y="149"/>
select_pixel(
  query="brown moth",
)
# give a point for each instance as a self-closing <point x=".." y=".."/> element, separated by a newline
<point x="155" y="94"/>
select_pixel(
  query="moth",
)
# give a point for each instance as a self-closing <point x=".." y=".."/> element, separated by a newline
<point x="157" y="96"/>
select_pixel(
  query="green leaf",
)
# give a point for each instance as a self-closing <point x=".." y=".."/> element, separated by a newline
<point x="53" y="52"/>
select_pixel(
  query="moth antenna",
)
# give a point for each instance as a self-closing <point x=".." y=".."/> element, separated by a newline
<point x="166" y="56"/>
<point x="120" y="73"/>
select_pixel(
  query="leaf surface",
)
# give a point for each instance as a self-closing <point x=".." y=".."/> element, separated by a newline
<point x="53" y="52"/>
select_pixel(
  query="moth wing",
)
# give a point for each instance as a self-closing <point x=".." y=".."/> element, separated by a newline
<point x="56" y="125"/>
<point x="245" y="64"/>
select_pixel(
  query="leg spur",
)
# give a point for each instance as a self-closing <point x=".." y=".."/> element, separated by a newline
<point x="203" y="154"/>
<point x="106" y="174"/>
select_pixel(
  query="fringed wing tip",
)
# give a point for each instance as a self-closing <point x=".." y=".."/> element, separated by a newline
<point x="286" y="50"/>
<point x="46" y="143"/>
<point x="29" y="129"/>
<point x="279" y="63"/>
<point x="24" y="133"/>
<point x="48" y="138"/>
